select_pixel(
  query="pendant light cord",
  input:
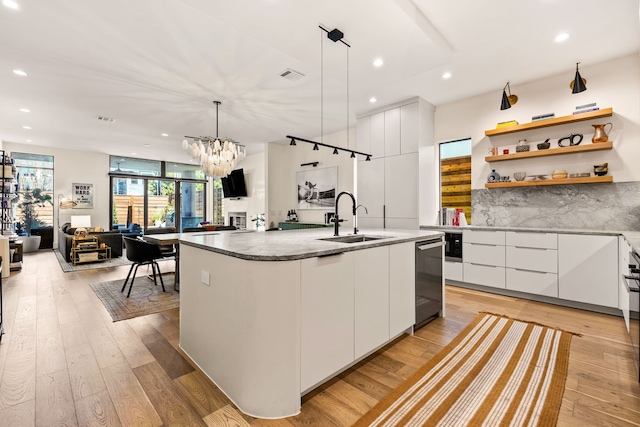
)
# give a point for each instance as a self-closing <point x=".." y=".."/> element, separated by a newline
<point x="321" y="87"/>
<point x="348" y="146"/>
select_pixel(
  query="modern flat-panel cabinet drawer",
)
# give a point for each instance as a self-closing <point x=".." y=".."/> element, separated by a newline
<point x="532" y="240"/>
<point x="484" y="275"/>
<point x="482" y="253"/>
<point x="483" y="236"/>
<point x="453" y="271"/>
<point x="536" y="259"/>
<point x="532" y="282"/>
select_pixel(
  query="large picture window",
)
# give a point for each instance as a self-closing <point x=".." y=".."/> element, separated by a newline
<point x="34" y="172"/>
<point x="155" y="194"/>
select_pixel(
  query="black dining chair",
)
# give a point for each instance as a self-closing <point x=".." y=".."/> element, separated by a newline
<point x="140" y="253"/>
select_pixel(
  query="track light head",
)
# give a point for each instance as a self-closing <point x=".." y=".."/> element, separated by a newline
<point x="353" y="155"/>
<point x="315" y="147"/>
<point x="368" y="159"/>
<point x="293" y="142"/>
<point x="335" y="150"/>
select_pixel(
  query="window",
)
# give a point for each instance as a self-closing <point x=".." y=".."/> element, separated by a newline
<point x="162" y="194"/>
<point x="35" y="171"/>
<point x="455" y="176"/>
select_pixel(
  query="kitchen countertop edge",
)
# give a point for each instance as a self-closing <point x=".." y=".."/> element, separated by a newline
<point x="291" y="245"/>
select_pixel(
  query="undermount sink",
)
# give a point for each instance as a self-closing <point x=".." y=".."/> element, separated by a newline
<point x="358" y="238"/>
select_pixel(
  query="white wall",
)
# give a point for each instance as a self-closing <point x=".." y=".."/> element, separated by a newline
<point x="614" y="83"/>
<point x="283" y="161"/>
<point x="253" y="167"/>
<point x="75" y="167"/>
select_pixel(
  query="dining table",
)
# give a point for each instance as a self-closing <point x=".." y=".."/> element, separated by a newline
<point x="166" y="239"/>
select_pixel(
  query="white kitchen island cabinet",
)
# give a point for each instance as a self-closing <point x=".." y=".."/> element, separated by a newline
<point x="327" y="301"/>
<point x="588" y="269"/>
<point x="269" y="316"/>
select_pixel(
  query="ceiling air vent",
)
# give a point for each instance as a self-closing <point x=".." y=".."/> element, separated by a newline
<point x="106" y="119"/>
<point x="291" y="75"/>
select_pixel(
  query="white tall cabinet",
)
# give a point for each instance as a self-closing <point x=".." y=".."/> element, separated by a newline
<point x="389" y="184"/>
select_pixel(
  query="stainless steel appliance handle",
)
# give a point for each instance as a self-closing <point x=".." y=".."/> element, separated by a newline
<point x="626" y="283"/>
<point x="430" y="245"/>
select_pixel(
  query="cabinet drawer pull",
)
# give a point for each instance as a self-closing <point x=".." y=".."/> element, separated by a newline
<point x="529" y="247"/>
<point x="484" y="265"/>
<point x="531" y="271"/>
<point x="328" y="255"/>
<point x="482" y="244"/>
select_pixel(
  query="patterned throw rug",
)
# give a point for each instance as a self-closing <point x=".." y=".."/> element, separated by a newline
<point x="146" y="298"/>
<point x="497" y="371"/>
<point x="68" y="267"/>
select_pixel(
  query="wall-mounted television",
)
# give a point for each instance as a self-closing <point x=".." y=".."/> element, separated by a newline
<point x="233" y="185"/>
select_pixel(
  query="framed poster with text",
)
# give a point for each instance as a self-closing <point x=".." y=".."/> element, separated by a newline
<point x="83" y="195"/>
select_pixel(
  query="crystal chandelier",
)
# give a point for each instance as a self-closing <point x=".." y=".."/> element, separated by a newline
<point x="217" y="156"/>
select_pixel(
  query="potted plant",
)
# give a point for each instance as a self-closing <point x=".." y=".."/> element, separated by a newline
<point x="29" y="217"/>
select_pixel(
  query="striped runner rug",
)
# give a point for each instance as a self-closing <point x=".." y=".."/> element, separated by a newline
<point x="497" y="372"/>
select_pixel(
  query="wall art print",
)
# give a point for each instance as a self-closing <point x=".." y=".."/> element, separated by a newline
<point x="82" y="194"/>
<point x="317" y="188"/>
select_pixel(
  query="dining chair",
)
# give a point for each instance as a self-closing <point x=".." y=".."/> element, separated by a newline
<point x="140" y="253"/>
<point x="193" y="230"/>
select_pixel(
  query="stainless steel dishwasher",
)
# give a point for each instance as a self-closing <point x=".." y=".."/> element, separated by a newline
<point x="428" y="280"/>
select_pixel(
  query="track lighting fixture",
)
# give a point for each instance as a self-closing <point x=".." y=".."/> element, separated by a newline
<point x="368" y="159"/>
<point x="578" y="84"/>
<point x="316" y="147"/>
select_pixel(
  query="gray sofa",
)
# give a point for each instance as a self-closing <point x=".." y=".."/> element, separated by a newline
<point x="113" y="239"/>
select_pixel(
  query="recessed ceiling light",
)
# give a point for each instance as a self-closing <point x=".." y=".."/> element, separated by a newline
<point x="446" y="75"/>
<point x="373" y="99"/>
<point x="147" y="145"/>
<point x="26" y="127"/>
<point x="28" y="140"/>
<point x="20" y="73"/>
<point x="133" y="154"/>
<point x="25" y="110"/>
<point x="561" y="37"/>
<point x="165" y="134"/>
<point x="10" y="4"/>
<point x="378" y="62"/>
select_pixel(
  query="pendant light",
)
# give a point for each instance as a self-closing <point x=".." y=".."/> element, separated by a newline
<point x="578" y="84"/>
<point x="507" y="101"/>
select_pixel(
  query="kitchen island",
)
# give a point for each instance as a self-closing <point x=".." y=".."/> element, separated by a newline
<point x="268" y="316"/>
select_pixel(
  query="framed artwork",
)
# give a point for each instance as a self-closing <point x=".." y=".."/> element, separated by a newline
<point x="317" y="188"/>
<point x="82" y="195"/>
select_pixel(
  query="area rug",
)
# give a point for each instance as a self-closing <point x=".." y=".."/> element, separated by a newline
<point x="146" y="298"/>
<point x="497" y="371"/>
<point x="68" y="267"/>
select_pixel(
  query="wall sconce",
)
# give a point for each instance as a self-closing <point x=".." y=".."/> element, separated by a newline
<point x="577" y="85"/>
<point x="507" y="101"/>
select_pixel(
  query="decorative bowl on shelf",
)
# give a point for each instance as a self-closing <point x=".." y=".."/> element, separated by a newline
<point x="559" y="174"/>
<point x="544" y="145"/>
<point x="519" y="176"/>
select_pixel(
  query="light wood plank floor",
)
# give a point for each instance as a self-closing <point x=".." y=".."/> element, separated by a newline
<point x="64" y="362"/>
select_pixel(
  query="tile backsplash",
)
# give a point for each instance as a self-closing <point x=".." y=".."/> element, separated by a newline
<point x="613" y="206"/>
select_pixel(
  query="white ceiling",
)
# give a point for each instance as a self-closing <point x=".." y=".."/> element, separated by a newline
<point x="157" y="65"/>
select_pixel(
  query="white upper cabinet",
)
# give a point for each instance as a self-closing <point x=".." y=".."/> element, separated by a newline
<point x="401" y="186"/>
<point x="409" y="128"/>
<point x="363" y="134"/>
<point x="392" y="132"/>
<point x="376" y="128"/>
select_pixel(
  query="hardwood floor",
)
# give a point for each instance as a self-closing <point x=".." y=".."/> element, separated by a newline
<point x="64" y="362"/>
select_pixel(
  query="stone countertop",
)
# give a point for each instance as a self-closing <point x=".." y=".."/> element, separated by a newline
<point x="633" y="237"/>
<point x="288" y="245"/>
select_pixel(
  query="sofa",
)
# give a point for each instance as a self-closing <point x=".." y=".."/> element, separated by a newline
<point x="113" y="239"/>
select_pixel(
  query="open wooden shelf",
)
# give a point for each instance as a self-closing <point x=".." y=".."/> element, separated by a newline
<point x="605" y="112"/>
<point x="552" y="151"/>
<point x="534" y="183"/>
